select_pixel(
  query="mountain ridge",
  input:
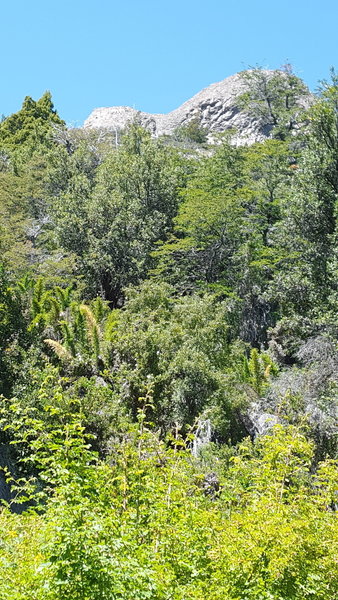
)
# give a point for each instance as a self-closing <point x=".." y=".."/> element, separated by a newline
<point x="216" y="108"/>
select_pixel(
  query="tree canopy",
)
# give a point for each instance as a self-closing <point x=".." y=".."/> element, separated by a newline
<point x="168" y="356"/>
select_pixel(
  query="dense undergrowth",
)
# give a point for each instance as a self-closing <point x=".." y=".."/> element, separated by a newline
<point x="148" y="288"/>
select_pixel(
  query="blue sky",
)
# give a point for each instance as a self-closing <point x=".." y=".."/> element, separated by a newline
<point x="154" y="55"/>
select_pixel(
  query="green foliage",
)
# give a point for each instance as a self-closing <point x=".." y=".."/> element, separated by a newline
<point x="276" y="99"/>
<point x="143" y="527"/>
<point x="76" y="330"/>
<point x="258" y="369"/>
<point x="12" y="329"/>
<point x="15" y="247"/>
<point x="149" y="293"/>
<point x="209" y="220"/>
<point x="31" y="125"/>
<point x="224" y="228"/>
<point x="192" y="132"/>
<point x="181" y="347"/>
<point x="114" y="229"/>
<point x="307" y="233"/>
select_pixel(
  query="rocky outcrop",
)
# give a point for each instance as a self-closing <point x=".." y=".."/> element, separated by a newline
<point x="215" y="108"/>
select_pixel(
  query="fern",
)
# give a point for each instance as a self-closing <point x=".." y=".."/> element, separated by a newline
<point x="99" y="308"/>
<point x="93" y="329"/>
<point x="258" y="370"/>
<point x="26" y="283"/>
<point x="69" y="337"/>
<point x="60" y="351"/>
<point x="246" y="369"/>
<point x="89" y="316"/>
<point x="255" y="371"/>
<point x="80" y="330"/>
<point x="55" y="309"/>
<point x="110" y="330"/>
<point x="64" y="295"/>
<point x="39" y="319"/>
<point x="40" y="299"/>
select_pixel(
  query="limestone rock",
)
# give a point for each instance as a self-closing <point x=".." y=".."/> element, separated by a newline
<point x="215" y="108"/>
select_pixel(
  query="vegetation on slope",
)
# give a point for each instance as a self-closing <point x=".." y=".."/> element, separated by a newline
<point x="146" y="291"/>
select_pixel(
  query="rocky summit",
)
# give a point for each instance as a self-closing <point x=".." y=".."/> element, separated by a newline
<point x="216" y="108"/>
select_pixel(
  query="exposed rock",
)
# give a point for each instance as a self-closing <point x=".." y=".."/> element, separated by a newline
<point x="211" y="485"/>
<point x="258" y="420"/>
<point x="316" y="384"/>
<point x="261" y="422"/>
<point x="214" y="108"/>
<point x="202" y="436"/>
<point x="117" y="117"/>
<point x="308" y="393"/>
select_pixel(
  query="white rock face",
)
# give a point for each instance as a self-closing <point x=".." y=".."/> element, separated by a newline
<point x="117" y="117"/>
<point x="215" y="108"/>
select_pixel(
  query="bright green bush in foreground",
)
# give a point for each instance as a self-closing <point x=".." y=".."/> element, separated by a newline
<point x="144" y="524"/>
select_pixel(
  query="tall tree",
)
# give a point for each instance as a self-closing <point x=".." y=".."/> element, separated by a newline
<point x="31" y="125"/>
<point x="277" y="98"/>
<point x="114" y="228"/>
<point x="306" y="279"/>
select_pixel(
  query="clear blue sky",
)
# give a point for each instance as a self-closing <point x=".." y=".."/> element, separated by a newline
<point x="154" y="55"/>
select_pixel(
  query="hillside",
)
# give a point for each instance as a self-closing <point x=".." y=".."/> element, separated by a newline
<point x="169" y="348"/>
<point x="217" y="108"/>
